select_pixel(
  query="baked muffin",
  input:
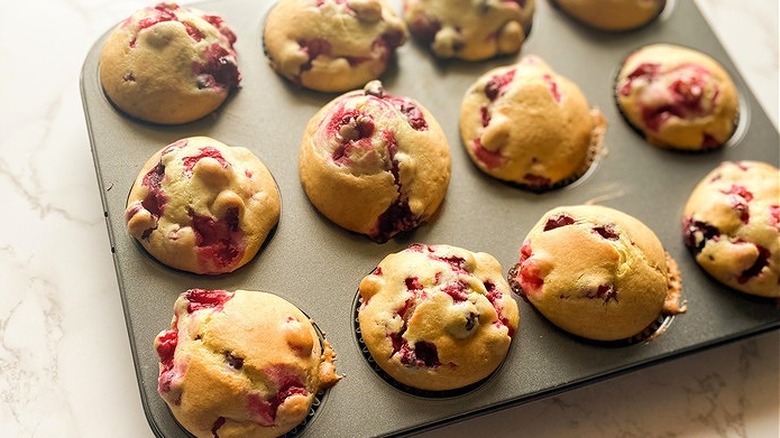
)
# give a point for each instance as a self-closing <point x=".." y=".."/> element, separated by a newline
<point x="731" y="224"/>
<point x="332" y="45"/>
<point x="470" y="30"/>
<point x="201" y="206"/>
<point x="677" y="97"/>
<point x="437" y="317"/>
<point x="597" y="273"/>
<point x="169" y="64"/>
<point x="374" y="163"/>
<point x="241" y="364"/>
<point x="611" y="15"/>
<point x="530" y="126"/>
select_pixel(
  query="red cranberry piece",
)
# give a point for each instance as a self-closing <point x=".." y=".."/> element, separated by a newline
<point x="536" y="181"/>
<point x="485" y="116"/>
<point x="219" y="23"/>
<point x="607" y="232"/>
<point x="498" y="84"/>
<point x="166" y="347"/>
<point x="710" y="142"/>
<point x="288" y="383"/>
<point x="234" y="361"/>
<point x="206" y="299"/>
<point x="761" y="261"/>
<point x="426" y="352"/>
<point x="604" y="292"/>
<point x="458" y="264"/>
<point x="740" y="191"/>
<point x="557" y="221"/>
<point x="155" y="200"/>
<point x="647" y="70"/>
<point x="396" y="219"/>
<point x="154" y="177"/>
<point x="419" y="247"/>
<point x="161" y="13"/>
<point x="697" y="233"/>
<point x="220" y="69"/>
<point x="208" y="151"/>
<point x="411" y="112"/>
<point x="218" y="241"/>
<point x="458" y="291"/>
<point x="413" y="283"/>
<point x="530" y="277"/>
<point x="494" y="295"/>
<point x="553" y="86"/>
<point x="774" y="216"/>
<point x="217" y="424"/>
<point x="688" y="92"/>
<point x="740" y="207"/>
<point x="425" y="28"/>
<point x="193" y="32"/>
<point x="471" y="321"/>
<point x="491" y="159"/>
<point x="314" y="47"/>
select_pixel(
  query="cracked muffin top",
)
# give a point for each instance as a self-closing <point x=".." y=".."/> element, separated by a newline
<point x="241" y="364"/>
<point x="169" y="64"/>
<point x="332" y="45"/>
<point x="375" y="163"/>
<point x="731" y="225"/>
<point x="597" y="273"/>
<point x="437" y="317"/>
<point x="201" y="206"/>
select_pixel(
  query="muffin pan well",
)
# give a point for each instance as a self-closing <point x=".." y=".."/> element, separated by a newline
<point x="317" y="266"/>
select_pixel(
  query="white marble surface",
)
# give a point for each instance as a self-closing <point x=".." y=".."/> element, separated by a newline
<point x="65" y="365"/>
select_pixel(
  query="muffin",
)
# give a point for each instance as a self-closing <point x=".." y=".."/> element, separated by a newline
<point x="597" y="273"/>
<point x="332" y="45"/>
<point x="201" y="206"/>
<point x="527" y="125"/>
<point x="374" y="163"/>
<point x="611" y="15"/>
<point x="677" y="97"/>
<point x="437" y="317"/>
<point x="731" y="225"/>
<point x="169" y="64"/>
<point x="241" y="364"/>
<point x="470" y="30"/>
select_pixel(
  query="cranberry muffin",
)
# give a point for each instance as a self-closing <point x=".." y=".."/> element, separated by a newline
<point x="375" y="163"/>
<point x="677" y="97"/>
<point x="611" y="15"/>
<point x="527" y="125"/>
<point x="731" y="224"/>
<point x="169" y="64"/>
<point x="332" y="45"/>
<point x="470" y="30"/>
<point x="437" y="317"/>
<point x="241" y="364"/>
<point x="201" y="206"/>
<point x="597" y="273"/>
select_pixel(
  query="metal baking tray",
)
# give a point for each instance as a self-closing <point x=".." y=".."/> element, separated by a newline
<point x="317" y="266"/>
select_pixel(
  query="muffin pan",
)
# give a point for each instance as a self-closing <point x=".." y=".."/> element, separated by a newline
<point x="317" y="266"/>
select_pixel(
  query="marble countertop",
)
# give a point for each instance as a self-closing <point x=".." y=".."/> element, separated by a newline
<point x="65" y="363"/>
